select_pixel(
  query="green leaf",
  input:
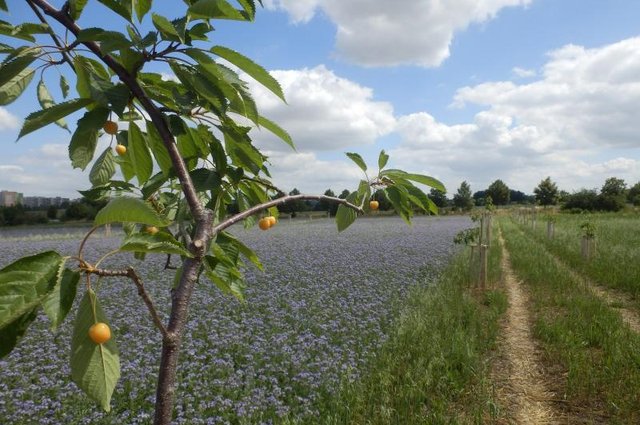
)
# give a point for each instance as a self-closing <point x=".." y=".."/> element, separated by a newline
<point x="161" y="243"/>
<point x="216" y="9"/>
<point x="225" y="276"/>
<point x="249" y="7"/>
<point x="160" y="152"/>
<point x="76" y="7"/>
<point x="419" y="178"/>
<point x="253" y="69"/>
<point x="122" y="8"/>
<point x="228" y="238"/>
<point x="6" y="28"/>
<point x="109" y="40"/>
<point x="131" y="210"/>
<point x="45" y="117"/>
<point x="142" y="7"/>
<point x="95" y="368"/>
<point x="24" y="285"/>
<point x="16" y="86"/>
<point x="13" y="67"/>
<point x="103" y="169"/>
<point x="166" y="28"/>
<point x="11" y="335"/>
<point x="92" y="81"/>
<point x="64" y="86"/>
<point x="277" y="130"/>
<point x="397" y="195"/>
<point x="85" y="138"/>
<point x="345" y="216"/>
<point x="139" y="154"/>
<point x="3" y="5"/>
<point x="382" y="160"/>
<point x="358" y="160"/>
<point x="59" y="302"/>
<point x="46" y="101"/>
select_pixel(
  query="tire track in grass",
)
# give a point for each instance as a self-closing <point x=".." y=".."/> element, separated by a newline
<point x="614" y="299"/>
<point x="523" y="390"/>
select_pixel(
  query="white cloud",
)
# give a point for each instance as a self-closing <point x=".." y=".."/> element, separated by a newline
<point x="387" y="33"/>
<point x="8" y="121"/>
<point x="524" y="73"/>
<point x="324" y="111"/>
<point x="566" y="124"/>
<point x="310" y="174"/>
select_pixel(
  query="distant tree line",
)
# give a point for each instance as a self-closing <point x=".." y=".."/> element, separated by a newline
<point x="79" y="210"/>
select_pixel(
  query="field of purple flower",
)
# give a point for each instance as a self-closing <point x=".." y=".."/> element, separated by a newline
<point x="323" y="306"/>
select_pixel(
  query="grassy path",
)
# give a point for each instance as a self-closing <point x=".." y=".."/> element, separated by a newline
<point x="519" y="377"/>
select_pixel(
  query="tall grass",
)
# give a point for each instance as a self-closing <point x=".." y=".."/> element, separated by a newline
<point x="617" y="260"/>
<point x="598" y="356"/>
<point x="435" y="366"/>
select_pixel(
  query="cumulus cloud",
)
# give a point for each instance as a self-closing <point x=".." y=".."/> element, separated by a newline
<point x="523" y="73"/>
<point x="324" y="111"/>
<point x="566" y="124"/>
<point x="388" y="33"/>
<point x="311" y="174"/>
<point x="8" y="121"/>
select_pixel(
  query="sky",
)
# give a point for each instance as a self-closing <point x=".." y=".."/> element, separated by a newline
<point x="473" y="90"/>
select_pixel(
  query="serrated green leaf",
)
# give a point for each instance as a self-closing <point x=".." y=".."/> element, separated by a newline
<point x="249" y="7"/>
<point x="227" y="278"/>
<point x="166" y="28"/>
<point x="129" y="210"/>
<point x="6" y="28"/>
<point x="277" y="130"/>
<point x="142" y="7"/>
<point x="24" y="285"/>
<point x="11" y="335"/>
<point x="76" y="7"/>
<point x="248" y="253"/>
<point x="46" y="101"/>
<point x="216" y="9"/>
<point x="122" y="8"/>
<point x="358" y="160"/>
<point x="59" y="302"/>
<point x="397" y="195"/>
<point x="382" y="159"/>
<point x="45" y="117"/>
<point x="160" y="152"/>
<point x="14" y="66"/>
<point x="103" y="169"/>
<point x="160" y="243"/>
<point x="64" y="86"/>
<point x="95" y="368"/>
<point x="254" y="70"/>
<point x="345" y="216"/>
<point x="3" y="5"/>
<point x="109" y="40"/>
<point x="419" y="178"/>
<point x="139" y="154"/>
<point x="85" y="138"/>
<point x="16" y="86"/>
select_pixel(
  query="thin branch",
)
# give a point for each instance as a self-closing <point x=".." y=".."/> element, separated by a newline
<point x="131" y="274"/>
<point x="56" y="39"/>
<point x="279" y="201"/>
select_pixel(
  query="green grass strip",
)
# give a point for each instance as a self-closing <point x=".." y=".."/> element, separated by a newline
<point x="581" y="335"/>
<point x="435" y="366"/>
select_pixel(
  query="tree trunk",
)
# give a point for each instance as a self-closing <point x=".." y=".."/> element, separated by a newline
<point x="166" y="389"/>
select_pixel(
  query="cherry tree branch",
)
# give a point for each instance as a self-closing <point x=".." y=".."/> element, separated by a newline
<point x="279" y="201"/>
<point x="131" y="274"/>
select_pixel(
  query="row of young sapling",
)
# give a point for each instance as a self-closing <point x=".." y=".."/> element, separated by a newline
<point x="529" y="217"/>
<point x="478" y="239"/>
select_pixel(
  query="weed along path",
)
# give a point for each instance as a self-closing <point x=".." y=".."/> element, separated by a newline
<point x="520" y="377"/>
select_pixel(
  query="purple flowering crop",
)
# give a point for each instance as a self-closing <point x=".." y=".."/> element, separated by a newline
<point x="323" y="306"/>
